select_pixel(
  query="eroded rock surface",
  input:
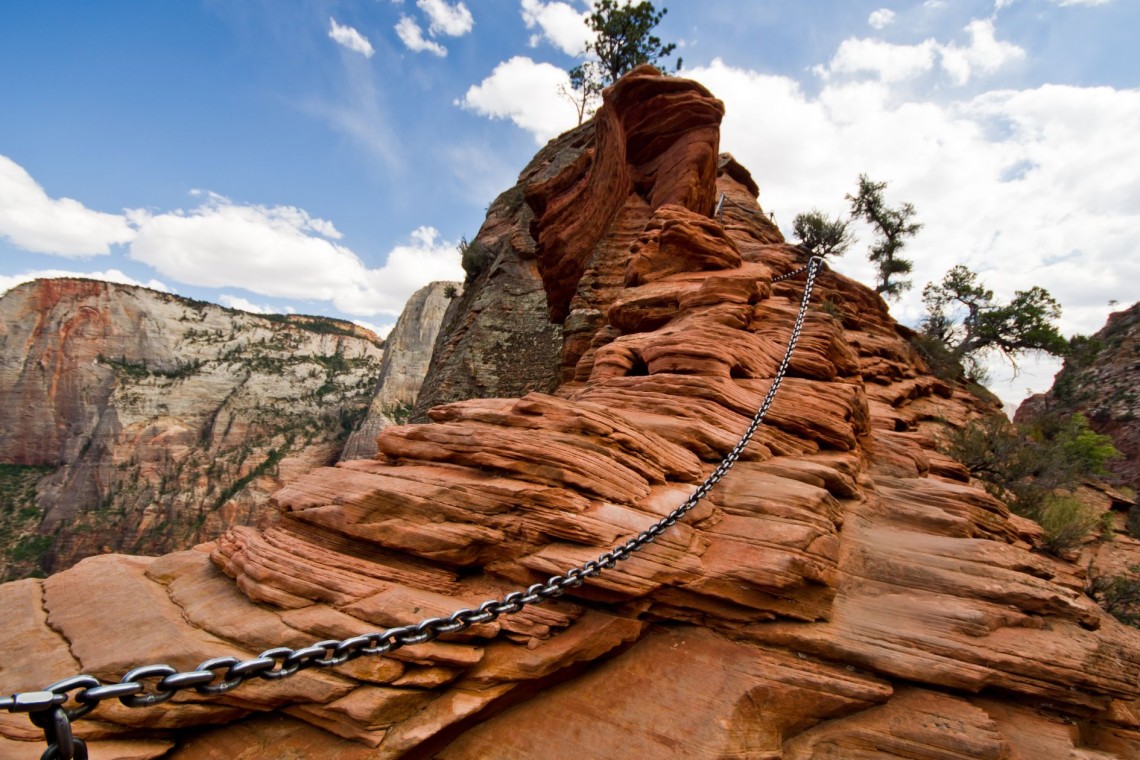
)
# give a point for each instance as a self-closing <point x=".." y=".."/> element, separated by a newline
<point x="844" y="592"/>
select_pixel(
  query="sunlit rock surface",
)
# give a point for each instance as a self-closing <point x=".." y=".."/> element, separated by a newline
<point x="843" y="593"/>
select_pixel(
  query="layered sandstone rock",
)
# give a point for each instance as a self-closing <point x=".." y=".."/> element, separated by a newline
<point x="407" y="354"/>
<point x="843" y="592"/>
<point x="157" y="422"/>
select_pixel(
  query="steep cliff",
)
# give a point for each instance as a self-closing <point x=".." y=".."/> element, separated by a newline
<point x="1102" y="381"/>
<point x="498" y="339"/>
<point x="407" y="354"/>
<point x="844" y="592"/>
<point x="157" y="422"/>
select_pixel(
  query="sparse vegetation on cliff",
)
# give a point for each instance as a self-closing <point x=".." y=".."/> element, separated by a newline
<point x="1119" y="595"/>
<point x="21" y="548"/>
<point x="1032" y="467"/>
<point x="400" y="413"/>
<point x="474" y="257"/>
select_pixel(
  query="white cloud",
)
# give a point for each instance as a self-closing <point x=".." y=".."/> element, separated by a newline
<point x="452" y="20"/>
<point x="242" y="304"/>
<point x="1026" y="187"/>
<point x="526" y="93"/>
<point x="561" y="25"/>
<point x="985" y="55"/>
<point x="380" y="330"/>
<point x="347" y="37"/>
<point x="35" y="222"/>
<point x="999" y="4"/>
<point x="889" y="62"/>
<point x="881" y="18"/>
<point x="282" y="252"/>
<point x="413" y="37"/>
<point x="7" y="282"/>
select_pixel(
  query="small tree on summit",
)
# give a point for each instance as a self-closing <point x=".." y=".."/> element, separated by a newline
<point x="962" y="315"/>
<point x="585" y="90"/>
<point x="893" y="226"/>
<point x="623" y="39"/>
<point x="822" y="236"/>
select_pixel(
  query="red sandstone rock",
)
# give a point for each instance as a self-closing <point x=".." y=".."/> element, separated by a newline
<point x="844" y="592"/>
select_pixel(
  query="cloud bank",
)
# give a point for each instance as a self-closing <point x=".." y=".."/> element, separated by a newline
<point x="274" y="251"/>
<point x="31" y="220"/>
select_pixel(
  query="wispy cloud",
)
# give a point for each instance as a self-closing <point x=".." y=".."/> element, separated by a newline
<point x="274" y="251"/>
<point x="451" y="20"/>
<point x="888" y="62"/>
<point x="413" y="38"/>
<point x="347" y="37"/>
<point x="243" y="304"/>
<point x="984" y="55"/>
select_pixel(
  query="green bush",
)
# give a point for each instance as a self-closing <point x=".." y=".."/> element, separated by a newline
<point x="399" y="413"/>
<point x="938" y="358"/>
<point x="1066" y="522"/>
<point x="1023" y="465"/>
<point x="475" y="257"/>
<point x="1133" y="522"/>
<point x="1119" y="595"/>
<point x="1027" y="466"/>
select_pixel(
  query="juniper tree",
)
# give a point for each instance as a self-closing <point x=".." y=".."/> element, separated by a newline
<point x="963" y="315"/>
<point x="623" y="39"/>
<point x="893" y="227"/>
<point x="822" y="236"/>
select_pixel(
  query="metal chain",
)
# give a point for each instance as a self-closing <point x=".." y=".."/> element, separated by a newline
<point x="718" y="213"/>
<point x="154" y="684"/>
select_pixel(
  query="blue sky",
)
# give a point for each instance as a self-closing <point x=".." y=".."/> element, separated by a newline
<point x="325" y="157"/>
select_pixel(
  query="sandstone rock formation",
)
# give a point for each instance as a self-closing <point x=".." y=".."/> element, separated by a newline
<point x="407" y="353"/>
<point x="843" y="593"/>
<point x="496" y="339"/>
<point x="1102" y="381"/>
<point x="156" y="422"/>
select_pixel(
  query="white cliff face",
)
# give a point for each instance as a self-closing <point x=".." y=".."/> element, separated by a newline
<point x="408" y="354"/>
<point x="162" y="421"/>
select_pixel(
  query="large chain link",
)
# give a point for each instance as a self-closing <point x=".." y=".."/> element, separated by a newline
<point x="155" y="684"/>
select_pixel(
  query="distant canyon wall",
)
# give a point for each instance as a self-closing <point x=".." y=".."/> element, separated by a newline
<point x="408" y="352"/>
<point x="155" y="422"/>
